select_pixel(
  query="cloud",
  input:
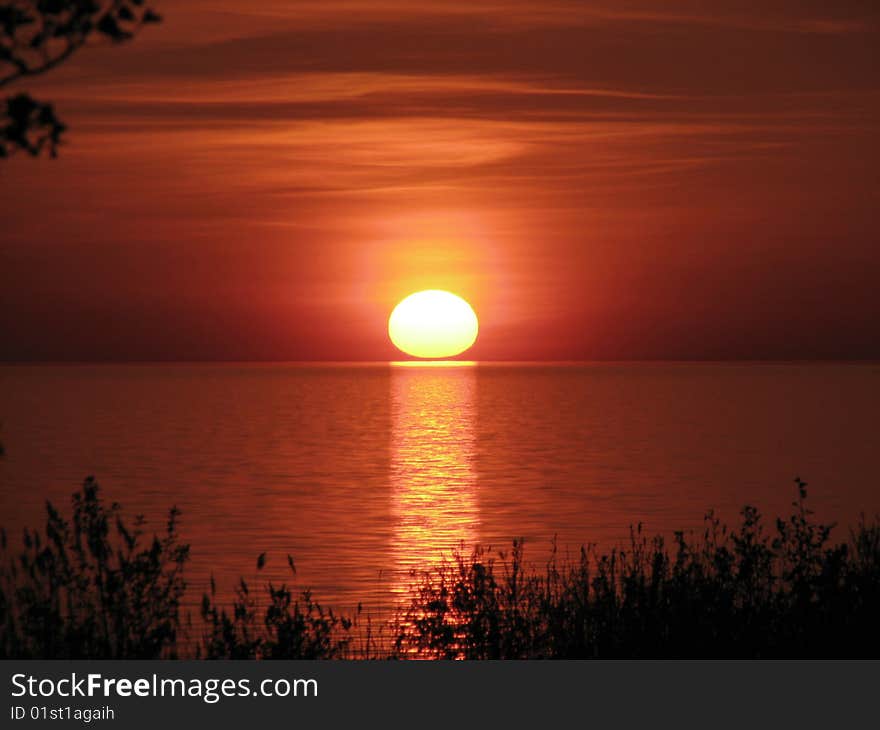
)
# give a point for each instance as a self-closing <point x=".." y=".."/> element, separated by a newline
<point x="787" y="16"/>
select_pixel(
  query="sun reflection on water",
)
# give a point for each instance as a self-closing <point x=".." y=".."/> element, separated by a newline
<point x="433" y="475"/>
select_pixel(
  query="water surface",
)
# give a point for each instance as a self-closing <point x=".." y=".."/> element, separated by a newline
<point x="363" y="472"/>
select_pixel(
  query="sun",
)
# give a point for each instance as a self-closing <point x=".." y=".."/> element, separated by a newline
<point x="433" y="324"/>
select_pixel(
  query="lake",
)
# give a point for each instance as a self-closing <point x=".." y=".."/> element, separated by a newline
<point x="363" y="472"/>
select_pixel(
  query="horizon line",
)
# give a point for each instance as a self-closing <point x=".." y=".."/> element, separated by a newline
<point x="441" y="362"/>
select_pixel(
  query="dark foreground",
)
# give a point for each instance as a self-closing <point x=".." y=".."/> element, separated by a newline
<point x="96" y="586"/>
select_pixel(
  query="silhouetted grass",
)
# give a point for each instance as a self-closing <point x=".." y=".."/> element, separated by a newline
<point x="288" y="626"/>
<point x="739" y="593"/>
<point x="95" y="588"/>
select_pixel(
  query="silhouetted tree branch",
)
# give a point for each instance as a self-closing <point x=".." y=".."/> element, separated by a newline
<point x="38" y="35"/>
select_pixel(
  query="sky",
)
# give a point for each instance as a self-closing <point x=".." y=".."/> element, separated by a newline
<point x="646" y="179"/>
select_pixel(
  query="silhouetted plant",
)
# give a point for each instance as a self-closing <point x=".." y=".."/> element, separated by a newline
<point x="38" y="35"/>
<point x="93" y="587"/>
<point x="733" y="594"/>
<point x="285" y="628"/>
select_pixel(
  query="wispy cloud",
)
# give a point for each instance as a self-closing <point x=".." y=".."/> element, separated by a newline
<point x="789" y="16"/>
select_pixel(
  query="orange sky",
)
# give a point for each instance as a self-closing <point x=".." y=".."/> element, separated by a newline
<point x="602" y="180"/>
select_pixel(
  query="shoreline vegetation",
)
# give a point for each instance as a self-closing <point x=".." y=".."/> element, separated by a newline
<point x="96" y="586"/>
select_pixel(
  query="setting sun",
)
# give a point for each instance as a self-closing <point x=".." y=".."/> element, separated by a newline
<point x="433" y="324"/>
